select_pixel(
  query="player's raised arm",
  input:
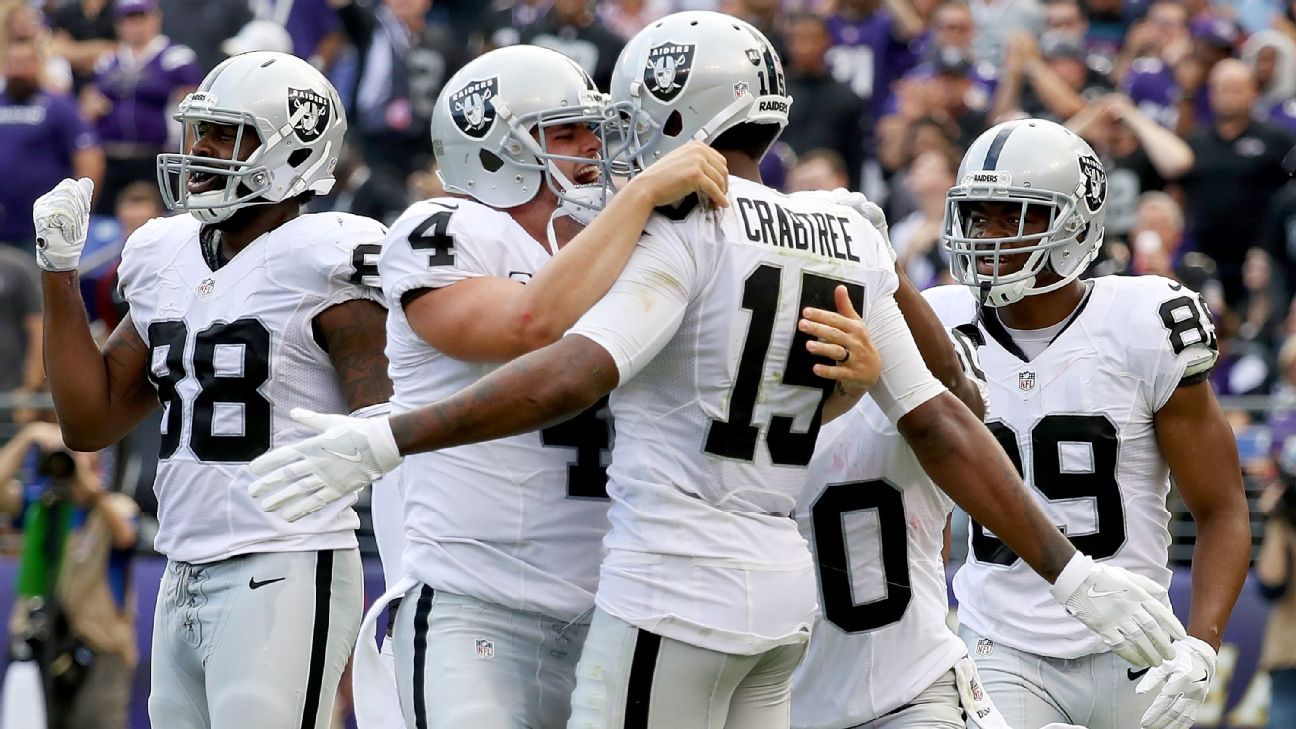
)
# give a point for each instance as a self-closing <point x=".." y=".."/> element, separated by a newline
<point x="98" y="395"/>
<point x="494" y="319"/>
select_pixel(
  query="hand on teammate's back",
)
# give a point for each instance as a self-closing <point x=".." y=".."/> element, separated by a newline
<point x="841" y="336"/>
<point x="693" y="168"/>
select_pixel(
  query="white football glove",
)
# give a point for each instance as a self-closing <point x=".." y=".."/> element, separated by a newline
<point x="348" y="454"/>
<point x="1122" y="607"/>
<point x="1184" y="682"/>
<point x="62" y="217"/>
<point x="860" y="204"/>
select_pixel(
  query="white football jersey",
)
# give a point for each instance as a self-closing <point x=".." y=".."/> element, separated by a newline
<point x="1077" y="420"/>
<point x="516" y="521"/>
<point x="875" y="523"/>
<point x="231" y="354"/>
<point x="718" y="411"/>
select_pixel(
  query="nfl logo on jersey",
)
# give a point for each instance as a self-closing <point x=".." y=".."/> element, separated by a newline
<point x="1026" y="381"/>
<point x="484" y="648"/>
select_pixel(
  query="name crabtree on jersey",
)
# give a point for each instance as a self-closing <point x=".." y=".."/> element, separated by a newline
<point x="729" y="372"/>
<point x="231" y="353"/>
<point x="1077" y="421"/>
<point x="528" y="535"/>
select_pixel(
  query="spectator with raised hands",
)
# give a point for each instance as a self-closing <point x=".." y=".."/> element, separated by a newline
<point x="404" y="61"/>
<point x="1139" y="154"/>
<point x="1153" y="49"/>
<point x="1045" y="80"/>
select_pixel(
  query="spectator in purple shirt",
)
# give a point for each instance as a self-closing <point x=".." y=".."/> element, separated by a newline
<point x="44" y="139"/>
<point x="871" y="46"/>
<point x="953" y="34"/>
<point x="132" y="94"/>
<point x="313" y="26"/>
<point x="1146" y="67"/>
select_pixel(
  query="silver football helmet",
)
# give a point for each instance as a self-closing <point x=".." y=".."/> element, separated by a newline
<point x="695" y="75"/>
<point x="291" y="108"/>
<point x="484" y="120"/>
<point x="1029" y="162"/>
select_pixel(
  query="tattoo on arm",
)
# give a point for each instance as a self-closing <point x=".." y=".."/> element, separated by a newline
<point x="354" y="335"/>
<point x="123" y="353"/>
<point x="531" y="392"/>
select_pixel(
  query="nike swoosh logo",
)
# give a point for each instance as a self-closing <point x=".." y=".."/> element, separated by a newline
<point x="1095" y="593"/>
<point x="354" y="457"/>
<point x="1136" y="675"/>
<point x="253" y="584"/>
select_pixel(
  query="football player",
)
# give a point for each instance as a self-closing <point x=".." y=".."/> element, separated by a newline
<point x="1099" y="393"/>
<point x="504" y="537"/>
<point x="728" y="361"/>
<point x="239" y="312"/>
<point x="881" y="655"/>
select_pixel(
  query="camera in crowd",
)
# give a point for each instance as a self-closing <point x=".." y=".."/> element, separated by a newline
<point x="56" y="464"/>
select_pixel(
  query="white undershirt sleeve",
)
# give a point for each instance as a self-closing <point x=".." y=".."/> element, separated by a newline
<point x="906" y="382"/>
<point x="644" y="307"/>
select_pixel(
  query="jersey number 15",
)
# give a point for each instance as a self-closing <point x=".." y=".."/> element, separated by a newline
<point x="736" y="436"/>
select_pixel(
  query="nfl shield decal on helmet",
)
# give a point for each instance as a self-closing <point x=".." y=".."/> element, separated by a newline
<point x="1095" y="184"/>
<point x="309" y="113"/>
<point x="667" y="70"/>
<point x="472" y="107"/>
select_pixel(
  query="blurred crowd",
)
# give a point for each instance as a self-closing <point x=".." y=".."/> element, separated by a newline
<point x="1191" y="104"/>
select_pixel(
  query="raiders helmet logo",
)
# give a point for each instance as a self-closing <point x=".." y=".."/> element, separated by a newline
<point x="1095" y="183"/>
<point x="667" y="70"/>
<point x="471" y="107"/>
<point x="309" y="113"/>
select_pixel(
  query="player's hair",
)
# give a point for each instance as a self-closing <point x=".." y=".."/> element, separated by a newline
<point x="748" y="138"/>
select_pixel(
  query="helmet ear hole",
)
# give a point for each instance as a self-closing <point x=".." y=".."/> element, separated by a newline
<point x="674" y="124"/>
<point x="489" y="160"/>
<point x="298" y="157"/>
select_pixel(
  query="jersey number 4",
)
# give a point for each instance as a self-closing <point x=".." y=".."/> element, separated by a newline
<point x="230" y="361"/>
<point x="1090" y="473"/>
<point x="736" y="436"/>
<point x="590" y="433"/>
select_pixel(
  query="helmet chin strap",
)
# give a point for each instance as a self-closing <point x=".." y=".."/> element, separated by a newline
<point x="709" y="130"/>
